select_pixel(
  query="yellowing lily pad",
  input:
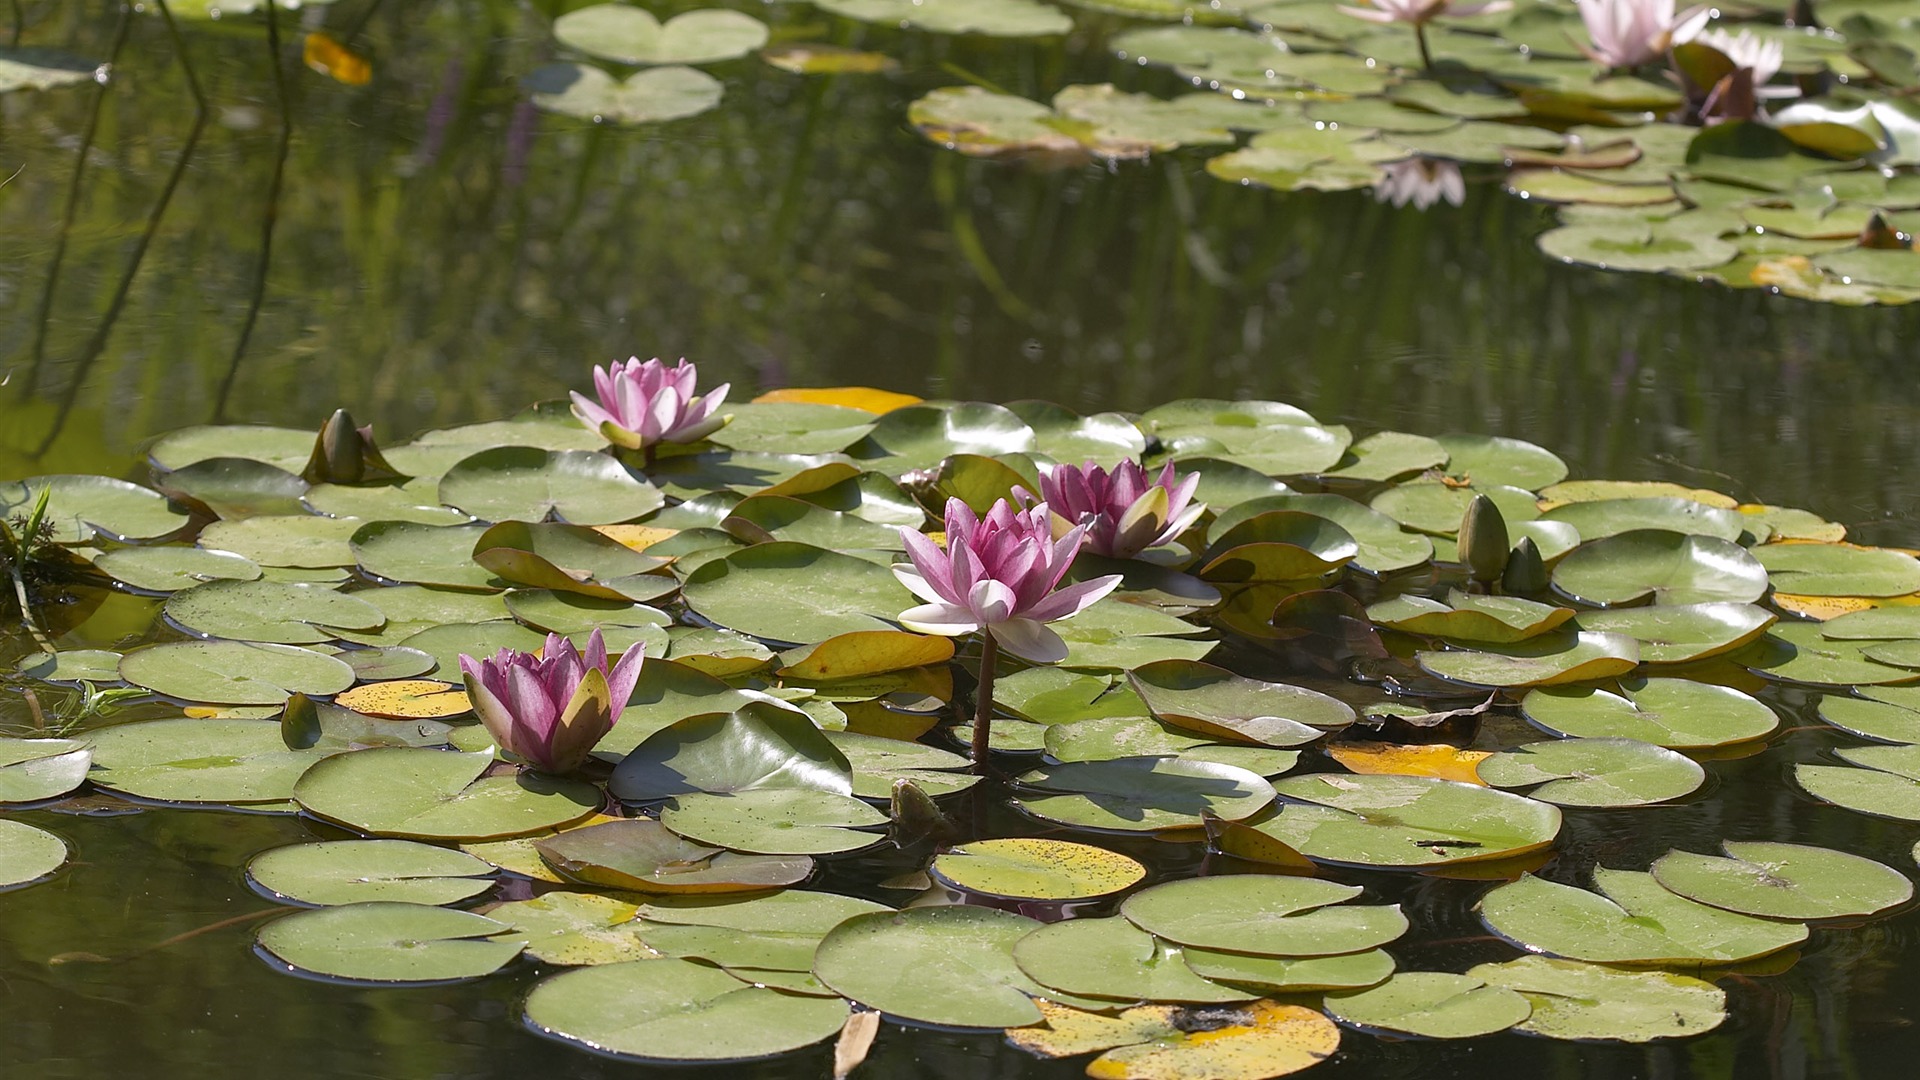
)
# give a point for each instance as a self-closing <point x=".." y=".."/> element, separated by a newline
<point x="1032" y="868"/>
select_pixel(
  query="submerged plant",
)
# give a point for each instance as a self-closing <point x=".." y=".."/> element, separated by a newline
<point x="1628" y="33"/>
<point x="998" y="576"/>
<point x="23" y="543"/>
<point x="1421" y="12"/>
<point x="550" y="709"/>
<point x="1422" y="181"/>
<point x="1123" y="513"/>
<point x="645" y="403"/>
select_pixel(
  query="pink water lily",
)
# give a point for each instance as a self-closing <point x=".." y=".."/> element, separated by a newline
<point x="1421" y="12"/>
<point x="644" y="403"/>
<point x="998" y="575"/>
<point x="1761" y="56"/>
<point x="1422" y="181"/>
<point x="1628" y="33"/>
<point x="550" y="709"/>
<point x="1123" y="512"/>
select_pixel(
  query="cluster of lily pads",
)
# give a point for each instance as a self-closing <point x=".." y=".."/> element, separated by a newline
<point x="294" y="610"/>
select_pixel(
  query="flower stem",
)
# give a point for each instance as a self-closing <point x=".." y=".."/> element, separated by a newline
<point x="983" y="702"/>
<point x="1420" y="35"/>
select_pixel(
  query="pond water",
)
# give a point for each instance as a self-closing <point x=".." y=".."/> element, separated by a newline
<point x="441" y="253"/>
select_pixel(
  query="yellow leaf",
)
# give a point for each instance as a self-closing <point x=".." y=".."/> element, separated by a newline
<point x="1068" y="1031"/>
<point x="867" y="398"/>
<point x="1821" y="608"/>
<point x="1243" y="841"/>
<point x="1160" y="1042"/>
<point x="873" y="718"/>
<point x="636" y="537"/>
<point x="406" y="699"/>
<point x="1437" y="760"/>
<point x="866" y="652"/>
<point x="328" y="57"/>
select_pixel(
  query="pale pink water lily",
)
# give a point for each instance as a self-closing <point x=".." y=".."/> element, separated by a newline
<point x="1761" y="56"/>
<point x="998" y="575"/>
<point x="1421" y="12"/>
<point x="644" y="403"/>
<point x="550" y="709"/>
<point x="1123" y="512"/>
<point x="1421" y="181"/>
<point x="1628" y="33"/>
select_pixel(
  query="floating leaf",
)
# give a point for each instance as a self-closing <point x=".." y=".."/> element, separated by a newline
<point x="568" y="558"/>
<point x="1884" y="714"/>
<point x="1031" y="868"/>
<point x="28" y="854"/>
<point x="233" y="672"/>
<point x="995" y="18"/>
<point x="678" y="1010"/>
<point x="1595" y="772"/>
<point x="1267" y="915"/>
<point x="1669" y="567"/>
<point x="1113" y="958"/>
<point x="630" y="35"/>
<point x="1548" y="660"/>
<point x="1839" y="570"/>
<point x="1676" y="713"/>
<point x="1279" y="545"/>
<point x="1497" y="620"/>
<point x="1260" y="1040"/>
<point x="36" y="769"/>
<point x="200" y="761"/>
<point x="1635" y="922"/>
<point x="431" y="794"/>
<point x="793" y="592"/>
<point x="1572" y="1000"/>
<point x="1437" y="760"/>
<point x="575" y="929"/>
<point x="762" y="744"/>
<point x="773" y="932"/>
<point x="1140" y="794"/>
<point x="1432" y="1004"/>
<point x="406" y="699"/>
<point x="337" y="872"/>
<point x="774" y="821"/>
<point x="645" y="97"/>
<point x="1406" y="821"/>
<point x="1784" y="881"/>
<point x="384" y="941"/>
<point x="961" y="958"/>
<point x="1683" y="633"/>
<point x="270" y="611"/>
<point x="1289" y="974"/>
<point x="293" y="540"/>
<point x="1220" y="704"/>
<point x="643" y="856"/>
<point x="1796" y="652"/>
<point x="82" y="508"/>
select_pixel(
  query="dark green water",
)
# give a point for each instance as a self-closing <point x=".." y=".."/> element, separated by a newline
<point x="440" y="253"/>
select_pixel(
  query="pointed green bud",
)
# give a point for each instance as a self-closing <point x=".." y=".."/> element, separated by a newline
<point x="1526" y="572"/>
<point x="1483" y="540"/>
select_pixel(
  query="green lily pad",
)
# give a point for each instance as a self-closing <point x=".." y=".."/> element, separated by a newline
<point x="630" y="35"/>
<point x="573" y="929"/>
<point x="436" y="795"/>
<point x="961" y="960"/>
<point x="412" y="553"/>
<point x="285" y="448"/>
<point x="1049" y="695"/>
<point x="36" y="769"/>
<point x="1676" y="713"/>
<point x="1668" y="567"/>
<point x="1498" y="620"/>
<point x="762" y="744"/>
<point x="522" y="483"/>
<point x="1784" y="881"/>
<point x="81" y="508"/>
<point x="568" y="558"/>
<point x="305" y="541"/>
<point x="774" y="932"/>
<point x="760" y="518"/>
<point x="1033" y="868"/>
<point x="1882" y="714"/>
<point x="1501" y="461"/>
<point x="793" y="427"/>
<point x="1651" y="248"/>
<point x="795" y="593"/>
<point x="1595" y="772"/>
<point x="920" y="436"/>
<point x="71" y="666"/>
<point x="1383" y="546"/>
<point x="200" y="761"/>
<point x="1635" y="922"/>
<point x="411" y="609"/>
<point x="1220" y="704"/>
<point x="28" y="854"/>
<point x="1573" y="1000"/>
<point x="879" y="762"/>
<point x="1291" y="974"/>
<point x="1266" y="436"/>
<point x="574" y="613"/>
<point x="1839" y="570"/>
<point x="645" y="97"/>
<point x="1406" y="820"/>
<point x="1430" y="506"/>
<point x="1140" y="794"/>
<point x="446" y="644"/>
<point x="1867" y="790"/>
<point x="1112" y="958"/>
<point x="643" y="856"/>
<point x="1547" y="660"/>
<point x="168" y="568"/>
<point x="994" y="18"/>
<point x="337" y="872"/>
<point x="1433" y="1005"/>
<point x="1795" y="652"/>
<point x="1114" y="635"/>
<point x="385" y="941"/>
<point x="1266" y="915"/>
<point x="774" y="821"/>
<point x="234" y="672"/>
<point x="1600" y="518"/>
<point x="236" y="487"/>
<point x="678" y="1010"/>
<point x="416" y="500"/>
<point x="1138" y="736"/>
<point x="271" y="612"/>
<point x="1389" y="455"/>
<point x="1683" y="633"/>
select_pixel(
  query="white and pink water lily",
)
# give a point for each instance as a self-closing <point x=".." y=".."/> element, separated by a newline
<point x="644" y="403"/>
<point x="1123" y="512"/>
<point x="1421" y="181"/>
<point x="1761" y="56"/>
<point x="1421" y="12"/>
<point x="999" y="574"/>
<point x="549" y="709"/>
<point x="1628" y="33"/>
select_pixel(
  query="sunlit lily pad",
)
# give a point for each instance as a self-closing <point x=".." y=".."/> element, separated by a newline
<point x="416" y="500"/>
<point x="1677" y="713"/>
<point x="384" y="941"/>
<point x="200" y="761"/>
<point x="1683" y="633"/>
<point x="1432" y="1004"/>
<point x="71" y="665"/>
<point x="1384" y="546"/>
<point x="1291" y="974"/>
<point x="286" y="448"/>
<point x="519" y="483"/>
<point x="1595" y="772"/>
<point x="36" y="769"/>
<point x="960" y="958"/>
<point x="233" y="672"/>
<point x="83" y="507"/>
<point x="1222" y="705"/>
<point x="168" y="568"/>
<point x="1839" y="570"/>
<point x="1033" y="868"/>
<point x="1140" y="794"/>
<point x="793" y="592"/>
<point x="643" y="856"/>
<point x="1784" y="881"/>
<point x="1278" y="545"/>
<point x="1600" y="518"/>
<point x="351" y="871"/>
<point x="773" y="932"/>
<point x="306" y="541"/>
<point x="1113" y="958"/>
<point x="1270" y="437"/>
<point x="268" y="611"/>
<point x="879" y="762"/>
<point x="1406" y="820"/>
<point x="1796" y="652"/>
<point x="447" y="643"/>
<point x="1114" y="635"/>
<point x="645" y="97"/>
<point x="1138" y="736"/>
<point x="759" y="745"/>
<point x="1260" y="1040"/>
<point x="1636" y="922"/>
<point x="630" y="35"/>
<point x="1884" y="714"/>
<point x="1430" y="506"/>
<point x="432" y="794"/>
<point x="28" y="854"/>
<point x="774" y="821"/>
<point x="996" y="18"/>
<point x="568" y="558"/>
<point x="678" y="1010"/>
<point x="576" y="929"/>
<point x="1467" y="617"/>
<point x="1548" y="660"/>
<point x="1267" y="915"/>
<point x="1574" y="1000"/>
<point x="1668" y="567"/>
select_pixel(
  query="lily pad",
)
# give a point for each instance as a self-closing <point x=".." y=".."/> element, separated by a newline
<point x="1260" y="1040"/>
<point x="1677" y="713"/>
<point x="169" y="568"/>
<point x="1384" y="546"/>
<point x="81" y="508"/>
<point x="678" y="1010"/>
<point x="1683" y="633"/>
<point x="1666" y="567"/>
<point x="646" y="97"/>
<point x="200" y="761"/>
<point x="1548" y="660"/>
<point x="1033" y="868"/>
<point x="576" y="929"/>
<point x="631" y="35"/>
<point x="1784" y="881"/>
<point x="1796" y="652"/>
<point x="1140" y="794"/>
<point x="337" y="872"/>
<point x="522" y="483"/>
<point x="1600" y="518"/>
<point x="1636" y="921"/>
<point x="1112" y="958"/>
<point x="1871" y="717"/>
<point x="1291" y="974"/>
<point x="1406" y="820"/>
<point x="1595" y="772"/>
<point x="760" y="745"/>
<point x="1839" y="570"/>
<point x="795" y="593"/>
<point x="643" y="856"/>
<point x="958" y="963"/>
<point x="412" y="553"/>
<point x="1215" y="702"/>
<point x="1433" y="1005"/>
<point x="435" y="795"/>
<point x="1278" y="545"/>
<point x="774" y="821"/>
<point x="384" y="941"/>
<point x="773" y="932"/>
<point x="234" y="672"/>
<point x="28" y="854"/>
<point x="36" y="769"/>
<point x="306" y="541"/>
<point x="995" y="18"/>
<point x="1573" y="1000"/>
<point x="269" y="611"/>
<point x="1496" y="620"/>
<point x="1266" y="915"/>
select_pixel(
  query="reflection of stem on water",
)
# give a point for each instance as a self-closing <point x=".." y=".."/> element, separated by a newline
<point x="268" y="217"/>
<point x="38" y="357"/>
<point x="96" y="958"/>
<point x="98" y="343"/>
<point x="19" y="24"/>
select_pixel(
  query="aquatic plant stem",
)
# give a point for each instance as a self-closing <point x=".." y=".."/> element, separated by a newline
<point x="983" y="702"/>
<point x="38" y="357"/>
<point x="268" y="217"/>
<point x="97" y="344"/>
<point x="1420" y="35"/>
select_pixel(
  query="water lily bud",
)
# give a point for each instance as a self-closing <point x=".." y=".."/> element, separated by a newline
<point x="1526" y="572"/>
<point x="338" y="452"/>
<point x="1483" y="540"/>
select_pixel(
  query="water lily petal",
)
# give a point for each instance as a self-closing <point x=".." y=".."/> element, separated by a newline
<point x="1030" y="641"/>
<point x="946" y="620"/>
<point x="1073" y="599"/>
